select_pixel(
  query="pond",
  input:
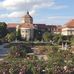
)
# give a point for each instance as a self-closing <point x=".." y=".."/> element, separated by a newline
<point x="3" y="50"/>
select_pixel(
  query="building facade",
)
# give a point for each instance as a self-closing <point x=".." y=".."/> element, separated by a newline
<point x="68" y="29"/>
<point x="27" y="28"/>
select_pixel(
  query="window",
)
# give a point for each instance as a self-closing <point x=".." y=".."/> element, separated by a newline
<point x="26" y="31"/>
<point x="70" y="32"/>
<point x="22" y="31"/>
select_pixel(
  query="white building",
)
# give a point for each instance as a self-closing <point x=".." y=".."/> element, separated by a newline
<point x="68" y="29"/>
<point x="27" y="28"/>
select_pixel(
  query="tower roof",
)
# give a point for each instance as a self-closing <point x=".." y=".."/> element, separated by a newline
<point x="25" y="25"/>
<point x="28" y="12"/>
<point x="27" y="15"/>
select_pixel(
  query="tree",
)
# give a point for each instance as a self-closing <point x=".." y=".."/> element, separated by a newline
<point x="18" y="34"/>
<point x="47" y="36"/>
<point x="17" y="52"/>
<point x="38" y="34"/>
<point x="3" y="29"/>
<point x="10" y="37"/>
<point x="72" y="39"/>
<point x="58" y="38"/>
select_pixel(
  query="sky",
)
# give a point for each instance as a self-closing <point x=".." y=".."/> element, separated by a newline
<point x="48" y="12"/>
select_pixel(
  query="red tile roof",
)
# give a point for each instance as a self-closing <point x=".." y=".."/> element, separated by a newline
<point x="70" y="24"/>
<point x="26" y="25"/>
<point x="11" y="25"/>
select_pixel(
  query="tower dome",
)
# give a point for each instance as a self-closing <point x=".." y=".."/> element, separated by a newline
<point x="28" y="18"/>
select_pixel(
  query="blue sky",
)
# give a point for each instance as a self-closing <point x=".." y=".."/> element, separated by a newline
<point x="43" y="11"/>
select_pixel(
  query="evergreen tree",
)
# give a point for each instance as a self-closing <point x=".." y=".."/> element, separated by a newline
<point x="3" y="29"/>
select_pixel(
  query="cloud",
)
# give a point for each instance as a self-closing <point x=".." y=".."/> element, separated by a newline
<point x="26" y="4"/>
<point x="19" y="14"/>
<point x="60" y="17"/>
<point x="12" y="15"/>
<point x="16" y="14"/>
<point x="17" y="8"/>
<point x="3" y="15"/>
<point x="43" y="5"/>
<point x="59" y="6"/>
<point x="32" y="13"/>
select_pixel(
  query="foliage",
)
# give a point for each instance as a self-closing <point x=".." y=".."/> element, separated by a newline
<point x="58" y="38"/>
<point x="72" y="39"/>
<point x="17" y="52"/>
<point x="18" y="34"/>
<point x="42" y="49"/>
<point x="55" y="48"/>
<point x="10" y="37"/>
<point x="59" y="60"/>
<point x="3" y="29"/>
<point x="54" y="65"/>
<point x="20" y="63"/>
<point x="47" y="36"/>
<point x="38" y="34"/>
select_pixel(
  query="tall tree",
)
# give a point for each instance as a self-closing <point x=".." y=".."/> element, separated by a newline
<point x="38" y="34"/>
<point x="47" y="36"/>
<point x="3" y="29"/>
<point x="58" y="38"/>
<point x="10" y="37"/>
<point x="18" y="34"/>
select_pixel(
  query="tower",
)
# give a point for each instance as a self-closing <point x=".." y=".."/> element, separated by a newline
<point x="27" y="27"/>
<point x="28" y="18"/>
